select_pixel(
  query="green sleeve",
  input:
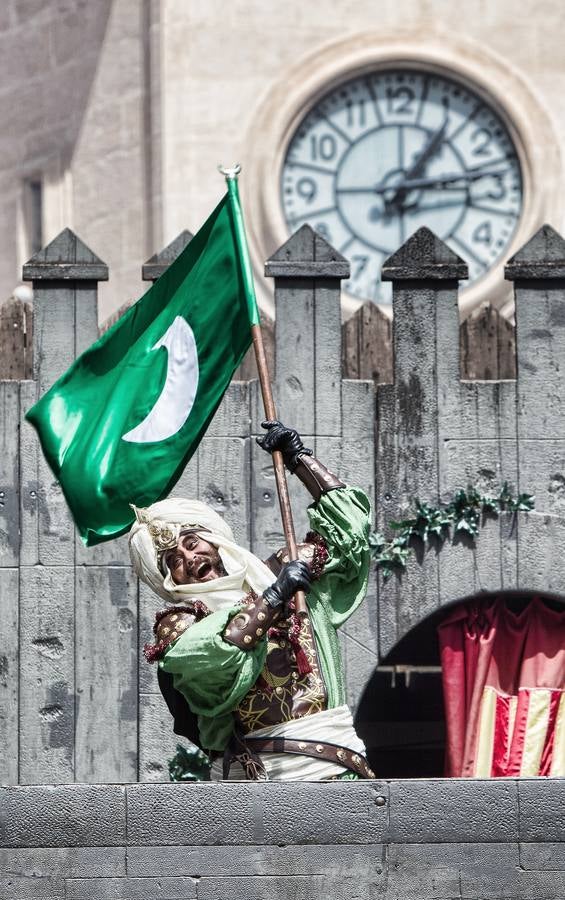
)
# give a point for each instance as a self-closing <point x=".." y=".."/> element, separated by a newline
<point x="342" y="517"/>
<point x="213" y="675"/>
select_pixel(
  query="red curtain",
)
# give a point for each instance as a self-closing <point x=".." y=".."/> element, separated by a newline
<point x="503" y="681"/>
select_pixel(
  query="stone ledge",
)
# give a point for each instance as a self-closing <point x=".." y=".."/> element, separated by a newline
<point x="429" y="840"/>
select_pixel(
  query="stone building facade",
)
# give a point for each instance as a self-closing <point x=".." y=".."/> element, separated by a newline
<point x="116" y="113"/>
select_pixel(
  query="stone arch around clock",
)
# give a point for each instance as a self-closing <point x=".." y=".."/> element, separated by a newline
<point x="491" y="78"/>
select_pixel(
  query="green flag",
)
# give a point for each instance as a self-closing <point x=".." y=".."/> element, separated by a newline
<point x="120" y="425"/>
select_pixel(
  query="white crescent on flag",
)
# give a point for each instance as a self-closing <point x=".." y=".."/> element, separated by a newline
<point x="174" y="404"/>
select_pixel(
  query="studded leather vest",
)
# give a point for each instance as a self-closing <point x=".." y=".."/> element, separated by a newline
<point x="281" y="693"/>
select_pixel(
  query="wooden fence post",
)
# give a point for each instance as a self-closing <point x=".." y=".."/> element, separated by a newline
<point x="307" y="378"/>
<point x="538" y="273"/>
<point x="425" y="275"/>
<point x="64" y="276"/>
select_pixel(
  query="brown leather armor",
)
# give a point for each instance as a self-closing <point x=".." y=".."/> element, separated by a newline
<point x="281" y="692"/>
<point x="170" y="624"/>
<point x="315" y="477"/>
<point x="251" y="623"/>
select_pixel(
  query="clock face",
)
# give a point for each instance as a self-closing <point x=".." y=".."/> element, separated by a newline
<point x="384" y="154"/>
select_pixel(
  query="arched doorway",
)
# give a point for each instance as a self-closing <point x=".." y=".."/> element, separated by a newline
<point x="401" y="714"/>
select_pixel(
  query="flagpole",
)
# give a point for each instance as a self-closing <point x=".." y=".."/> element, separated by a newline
<point x="230" y="175"/>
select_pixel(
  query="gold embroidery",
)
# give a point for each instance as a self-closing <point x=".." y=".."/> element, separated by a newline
<point x="281" y="693"/>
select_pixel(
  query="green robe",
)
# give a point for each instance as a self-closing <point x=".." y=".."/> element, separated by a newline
<point x="214" y="676"/>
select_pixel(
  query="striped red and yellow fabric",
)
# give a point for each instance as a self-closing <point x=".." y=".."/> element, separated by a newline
<point x="503" y="672"/>
<point x="521" y="735"/>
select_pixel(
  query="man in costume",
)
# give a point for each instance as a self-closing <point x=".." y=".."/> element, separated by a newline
<point x="256" y="686"/>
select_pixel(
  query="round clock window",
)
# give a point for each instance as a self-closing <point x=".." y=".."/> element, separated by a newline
<point x="381" y="155"/>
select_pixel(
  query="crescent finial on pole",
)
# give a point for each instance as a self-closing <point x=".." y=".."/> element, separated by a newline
<point x="230" y="173"/>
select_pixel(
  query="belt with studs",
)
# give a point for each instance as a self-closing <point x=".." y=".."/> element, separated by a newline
<point x="342" y="756"/>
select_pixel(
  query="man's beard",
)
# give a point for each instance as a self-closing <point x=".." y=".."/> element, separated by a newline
<point x="207" y="567"/>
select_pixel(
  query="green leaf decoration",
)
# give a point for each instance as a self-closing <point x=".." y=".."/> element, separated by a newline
<point x="462" y="515"/>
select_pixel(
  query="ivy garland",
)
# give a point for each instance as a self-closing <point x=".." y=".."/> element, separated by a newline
<point x="431" y="523"/>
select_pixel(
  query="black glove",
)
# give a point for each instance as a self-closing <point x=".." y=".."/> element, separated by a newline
<point x="287" y="440"/>
<point x="294" y="576"/>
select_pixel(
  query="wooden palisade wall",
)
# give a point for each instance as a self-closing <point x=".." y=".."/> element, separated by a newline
<point x="77" y="701"/>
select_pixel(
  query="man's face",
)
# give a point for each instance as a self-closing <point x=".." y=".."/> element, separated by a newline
<point x="193" y="560"/>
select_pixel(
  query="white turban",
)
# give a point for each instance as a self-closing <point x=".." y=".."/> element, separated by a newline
<point x="244" y="570"/>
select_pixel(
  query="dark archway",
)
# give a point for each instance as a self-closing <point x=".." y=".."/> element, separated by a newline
<point x="401" y="714"/>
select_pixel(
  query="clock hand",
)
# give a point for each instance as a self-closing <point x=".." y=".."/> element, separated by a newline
<point x="423" y="182"/>
<point x="430" y="207"/>
<point x="429" y="150"/>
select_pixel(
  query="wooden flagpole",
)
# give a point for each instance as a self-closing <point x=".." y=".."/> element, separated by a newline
<point x="230" y="175"/>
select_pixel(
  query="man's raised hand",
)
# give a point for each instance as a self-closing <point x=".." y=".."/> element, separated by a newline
<point x="287" y="440"/>
<point x="294" y="576"/>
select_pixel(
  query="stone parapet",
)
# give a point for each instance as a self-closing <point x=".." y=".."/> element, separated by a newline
<point x="419" y="840"/>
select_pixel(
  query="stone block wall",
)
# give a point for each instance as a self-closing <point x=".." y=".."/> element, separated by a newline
<point x="400" y="840"/>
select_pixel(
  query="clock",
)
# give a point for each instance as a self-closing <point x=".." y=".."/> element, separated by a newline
<point x="384" y="153"/>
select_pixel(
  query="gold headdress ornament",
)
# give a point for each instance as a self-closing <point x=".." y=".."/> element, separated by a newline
<point x="164" y="535"/>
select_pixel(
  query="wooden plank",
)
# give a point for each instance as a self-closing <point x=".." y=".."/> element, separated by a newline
<point x="106" y="674"/>
<point x="477" y="446"/>
<point x="248" y="368"/>
<point x="542" y="473"/>
<point x="157" y="741"/>
<point x="187" y="485"/>
<point x="352" y="458"/>
<point x="86" y="315"/>
<point x="29" y="328"/>
<point x="232" y="416"/>
<point x="425" y="274"/>
<point x="54" y="333"/>
<point x="54" y="352"/>
<point x="407" y="455"/>
<point x="540" y="337"/>
<point x="9" y="676"/>
<point x="9" y="473"/>
<point x="466" y="566"/>
<point x="476" y="411"/>
<point x="223" y="482"/>
<point x="488" y="346"/>
<point x="56" y="527"/>
<point x="487" y="341"/>
<point x="149" y="604"/>
<point x="359" y="658"/>
<point x="29" y="479"/>
<point x="375" y="345"/>
<point x="267" y="534"/>
<point x="350" y="355"/>
<point x="295" y="339"/>
<point x="16" y="323"/>
<point x="109" y="553"/>
<point x="367" y="345"/>
<point x="47" y="703"/>
<point x="326" y="358"/>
